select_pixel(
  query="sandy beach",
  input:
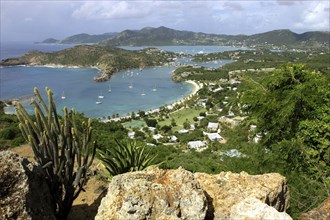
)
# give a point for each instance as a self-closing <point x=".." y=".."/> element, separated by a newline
<point x="196" y="88"/>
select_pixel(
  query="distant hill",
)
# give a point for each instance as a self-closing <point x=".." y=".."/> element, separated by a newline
<point x="50" y="41"/>
<point x="160" y="36"/>
<point x="81" y="39"/>
<point x="288" y="38"/>
<point x="166" y="36"/>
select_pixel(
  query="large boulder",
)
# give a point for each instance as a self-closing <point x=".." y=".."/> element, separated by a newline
<point x="321" y="212"/>
<point x="23" y="191"/>
<point x="154" y="194"/>
<point x="227" y="189"/>
<point x="179" y="194"/>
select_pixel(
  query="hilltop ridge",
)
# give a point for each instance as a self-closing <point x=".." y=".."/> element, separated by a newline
<point x="150" y="36"/>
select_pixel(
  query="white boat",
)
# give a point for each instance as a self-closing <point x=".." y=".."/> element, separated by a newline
<point x="101" y="96"/>
<point x="63" y="96"/>
<point x="130" y="85"/>
<point x="154" y="89"/>
<point x="98" y="102"/>
<point x="143" y="93"/>
<point x="109" y="90"/>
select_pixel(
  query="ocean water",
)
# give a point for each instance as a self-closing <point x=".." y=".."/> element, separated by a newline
<point x="131" y="90"/>
<point x="16" y="49"/>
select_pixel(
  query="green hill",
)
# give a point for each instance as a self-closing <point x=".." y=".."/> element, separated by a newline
<point x="86" y="38"/>
<point x="161" y="36"/>
<point x="108" y="59"/>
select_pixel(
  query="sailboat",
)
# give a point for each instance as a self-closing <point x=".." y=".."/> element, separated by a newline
<point x="98" y="101"/>
<point x="101" y="96"/>
<point x="109" y="90"/>
<point x="63" y="96"/>
<point x="154" y="89"/>
<point x="130" y="85"/>
<point x="143" y="93"/>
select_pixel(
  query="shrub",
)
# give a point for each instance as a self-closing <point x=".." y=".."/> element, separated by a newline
<point x="125" y="157"/>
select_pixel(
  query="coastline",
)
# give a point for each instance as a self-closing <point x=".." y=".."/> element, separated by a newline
<point x="196" y="88"/>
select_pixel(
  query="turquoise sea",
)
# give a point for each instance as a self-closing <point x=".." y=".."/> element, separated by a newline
<point x="131" y="90"/>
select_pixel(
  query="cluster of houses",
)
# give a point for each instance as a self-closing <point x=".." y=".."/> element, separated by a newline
<point x="212" y="135"/>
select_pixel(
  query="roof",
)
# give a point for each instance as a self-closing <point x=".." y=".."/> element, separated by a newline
<point x="183" y="131"/>
<point x="174" y="138"/>
<point x="197" y="145"/>
<point x="213" y="125"/>
<point x="213" y="136"/>
<point x="157" y="136"/>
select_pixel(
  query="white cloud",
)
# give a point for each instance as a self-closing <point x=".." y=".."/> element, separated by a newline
<point x="95" y="10"/>
<point x="315" y="17"/>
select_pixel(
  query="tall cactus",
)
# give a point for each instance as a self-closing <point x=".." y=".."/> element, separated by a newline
<point x="60" y="148"/>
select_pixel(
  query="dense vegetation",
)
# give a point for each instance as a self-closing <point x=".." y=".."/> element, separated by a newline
<point x="288" y="103"/>
<point x="10" y="134"/>
<point x="291" y="108"/>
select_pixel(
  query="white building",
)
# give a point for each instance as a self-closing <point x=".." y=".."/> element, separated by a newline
<point x="213" y="126"/>
<point x="183" y="131"/>
<point x="197" y="145"/>
<point x="131" y="134"/>
<point x="173" y="138"/>
<point x="157" y="136"/>
<point x="213" y="136"/>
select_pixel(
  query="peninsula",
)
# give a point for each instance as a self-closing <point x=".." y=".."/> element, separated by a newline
<point x="106" y="58"/>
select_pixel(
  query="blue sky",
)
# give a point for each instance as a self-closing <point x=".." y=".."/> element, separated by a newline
<point x="37" y="20"/>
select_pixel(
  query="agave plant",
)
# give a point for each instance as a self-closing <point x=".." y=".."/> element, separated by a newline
<point x="125" y="157"/>
<point x="60" y="148"/>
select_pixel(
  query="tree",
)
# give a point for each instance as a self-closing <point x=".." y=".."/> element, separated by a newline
<point x="61" y="147"/>
<point x="151" y="122"/>
<point x="292" y="108"/>
<point x="186" y="124"/>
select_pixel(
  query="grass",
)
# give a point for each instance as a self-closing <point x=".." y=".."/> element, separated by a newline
<point x="134" y="124"/>
<point x="180" y="117"/>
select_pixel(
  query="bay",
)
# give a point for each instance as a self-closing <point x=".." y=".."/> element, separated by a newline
<point x="131" y="90"/>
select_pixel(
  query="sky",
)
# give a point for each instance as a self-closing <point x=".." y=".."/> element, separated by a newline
<point x="37" y="20"/>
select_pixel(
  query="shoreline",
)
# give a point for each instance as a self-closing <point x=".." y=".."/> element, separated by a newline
<point x="196" y="88"/>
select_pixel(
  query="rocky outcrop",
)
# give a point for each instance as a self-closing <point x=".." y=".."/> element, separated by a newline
<point x="23" y="190"/>
<point x="154" y="194"/>
<point x="179" y="194"/>
<point x="227" y="189"/>
<point x="321" y="212"/>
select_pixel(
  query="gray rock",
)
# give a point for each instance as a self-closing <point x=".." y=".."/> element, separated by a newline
<point x="226" y="189"/>
<point x="252" y="208"/>
<point x="154" y="194"/>
<point x="23" y="191"/>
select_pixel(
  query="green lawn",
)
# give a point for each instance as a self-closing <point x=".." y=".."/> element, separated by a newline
<point x="181" y="116"/>
<point x="135" y="124"/>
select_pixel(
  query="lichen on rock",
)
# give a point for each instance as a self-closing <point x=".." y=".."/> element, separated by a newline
<point x="154" y="194"/>
<point x="180" y="194"/>
<point x="23" y="191"/>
